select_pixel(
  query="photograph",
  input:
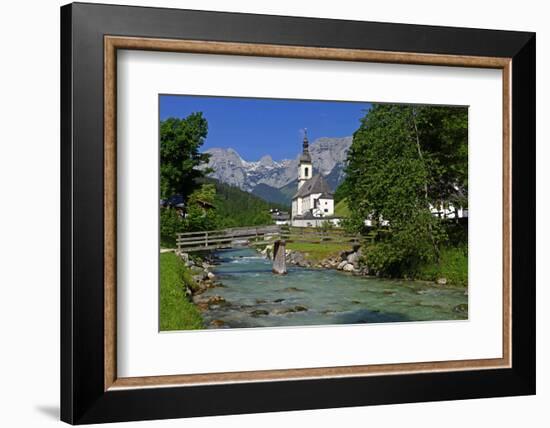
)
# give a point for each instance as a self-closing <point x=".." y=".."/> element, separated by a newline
<point x="292" y="212"/>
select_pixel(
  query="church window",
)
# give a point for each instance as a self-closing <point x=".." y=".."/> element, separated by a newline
<point x="306" y="171"/>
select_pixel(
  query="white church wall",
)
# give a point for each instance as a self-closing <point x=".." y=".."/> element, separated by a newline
<point x="326" y="206"/>
<point x="309" y="202"/>
<point x="295" y="207"/>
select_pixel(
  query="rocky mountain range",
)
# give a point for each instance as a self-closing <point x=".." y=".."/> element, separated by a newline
<point x="276" y="180"/>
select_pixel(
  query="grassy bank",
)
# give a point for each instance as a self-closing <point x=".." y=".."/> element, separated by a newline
<point x="176" y="312"/>
<point x="318" y="252"/>
<point x="453" y="266"/>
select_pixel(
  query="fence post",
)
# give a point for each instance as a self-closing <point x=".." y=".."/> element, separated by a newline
<point x="206" y="239"/>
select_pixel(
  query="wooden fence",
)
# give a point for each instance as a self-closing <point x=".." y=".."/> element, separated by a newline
<point x="224" y="238"/>
<point x="261" y="235"/>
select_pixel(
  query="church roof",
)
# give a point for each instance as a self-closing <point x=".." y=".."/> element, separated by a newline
<point x="326" y="195"/>
<point x="317" y="184"/>
<point x="305" y="158"/>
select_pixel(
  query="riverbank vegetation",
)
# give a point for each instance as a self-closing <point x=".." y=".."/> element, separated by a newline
<point x="176" y="311"/>
<point x="407" y="170"/>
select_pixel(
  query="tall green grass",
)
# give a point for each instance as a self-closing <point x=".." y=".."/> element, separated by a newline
<point x="453" y="266"/>
<point x="176" y="311"/>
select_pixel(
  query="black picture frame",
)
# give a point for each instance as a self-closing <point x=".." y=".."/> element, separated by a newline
<point x="83" y="398"/>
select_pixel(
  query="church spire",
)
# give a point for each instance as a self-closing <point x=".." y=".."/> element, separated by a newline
<point x="306" y="142"/>
<point x="305" y="169"/>
<point x="305" y="156"/>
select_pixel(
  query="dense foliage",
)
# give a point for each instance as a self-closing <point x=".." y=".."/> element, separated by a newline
<point x="180" y="159"/>
<point x="235" y="207"/>
<point x="404" y="161"/>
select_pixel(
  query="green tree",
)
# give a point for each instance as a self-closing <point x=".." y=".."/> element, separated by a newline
<point x="180" y="159"/>
<point x="200" y="209"/>
<point x="403" y="161"/>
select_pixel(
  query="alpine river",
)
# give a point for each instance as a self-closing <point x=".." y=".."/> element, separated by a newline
<point x="255" y="297"/>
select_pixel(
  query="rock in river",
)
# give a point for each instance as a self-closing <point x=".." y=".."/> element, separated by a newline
<point x="217" y="323"/>
<point x="348" y="267"/>
<point x="341" y="265"/>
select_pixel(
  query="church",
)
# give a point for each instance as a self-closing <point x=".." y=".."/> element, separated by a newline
<point x="313" y="203"/>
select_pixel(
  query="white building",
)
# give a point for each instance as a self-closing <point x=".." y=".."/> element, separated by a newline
<point x="313" y="203"/>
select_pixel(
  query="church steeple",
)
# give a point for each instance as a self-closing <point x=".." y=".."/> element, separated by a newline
<point x="305" y="169"/>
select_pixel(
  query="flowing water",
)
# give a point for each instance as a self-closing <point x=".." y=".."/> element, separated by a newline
<point x="254" y="297"/>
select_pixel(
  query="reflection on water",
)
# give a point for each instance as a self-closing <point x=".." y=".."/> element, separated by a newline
<point x="257" y="298"/>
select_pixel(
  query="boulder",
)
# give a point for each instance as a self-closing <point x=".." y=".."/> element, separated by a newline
<point x="353" y="258"/>
<point x="342" y="264"/>
<point x="344" y="254"/>
<point x="217" y="323"/>
<point x="298" y="259"/>
<point x="348" y="267"/>
<point x="215" y="300"/>
<point x="210" y="276"/>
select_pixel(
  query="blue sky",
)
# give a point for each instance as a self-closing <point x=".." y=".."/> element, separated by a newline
<point x="256" y="127"/>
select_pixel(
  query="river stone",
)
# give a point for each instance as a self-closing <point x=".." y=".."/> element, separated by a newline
<point x="461" y="308"/>
<point x="348" y="267"/>
<point x="259" y="312"/>
<point x="282" y="311"/>
<point x="344" y="254"/>
<point x="342" y="264"/>
<point x="217" y="323"/>
<point x="353" y="258"/>
<point x="216" y="300"/>
<point x="210" y="275"/>
<point x="441" y="281"/>
<point x="292" y="289"/>
<point x="300" y="308"/>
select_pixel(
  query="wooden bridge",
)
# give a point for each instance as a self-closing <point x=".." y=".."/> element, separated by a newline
<point x="261" y="235"/>
<point x="252" y="236"/>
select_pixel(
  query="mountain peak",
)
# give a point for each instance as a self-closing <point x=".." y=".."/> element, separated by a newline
<point x="328" y="155"/>
<point x="266" y="160"/>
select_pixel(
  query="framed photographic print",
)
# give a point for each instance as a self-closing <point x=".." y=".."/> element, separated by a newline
<point x="265" y="213"/>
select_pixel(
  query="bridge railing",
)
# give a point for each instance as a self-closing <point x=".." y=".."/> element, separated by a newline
<point x="261" y="235"/>
<point x="223" y="238"/>
<point x="317" y="235"/>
